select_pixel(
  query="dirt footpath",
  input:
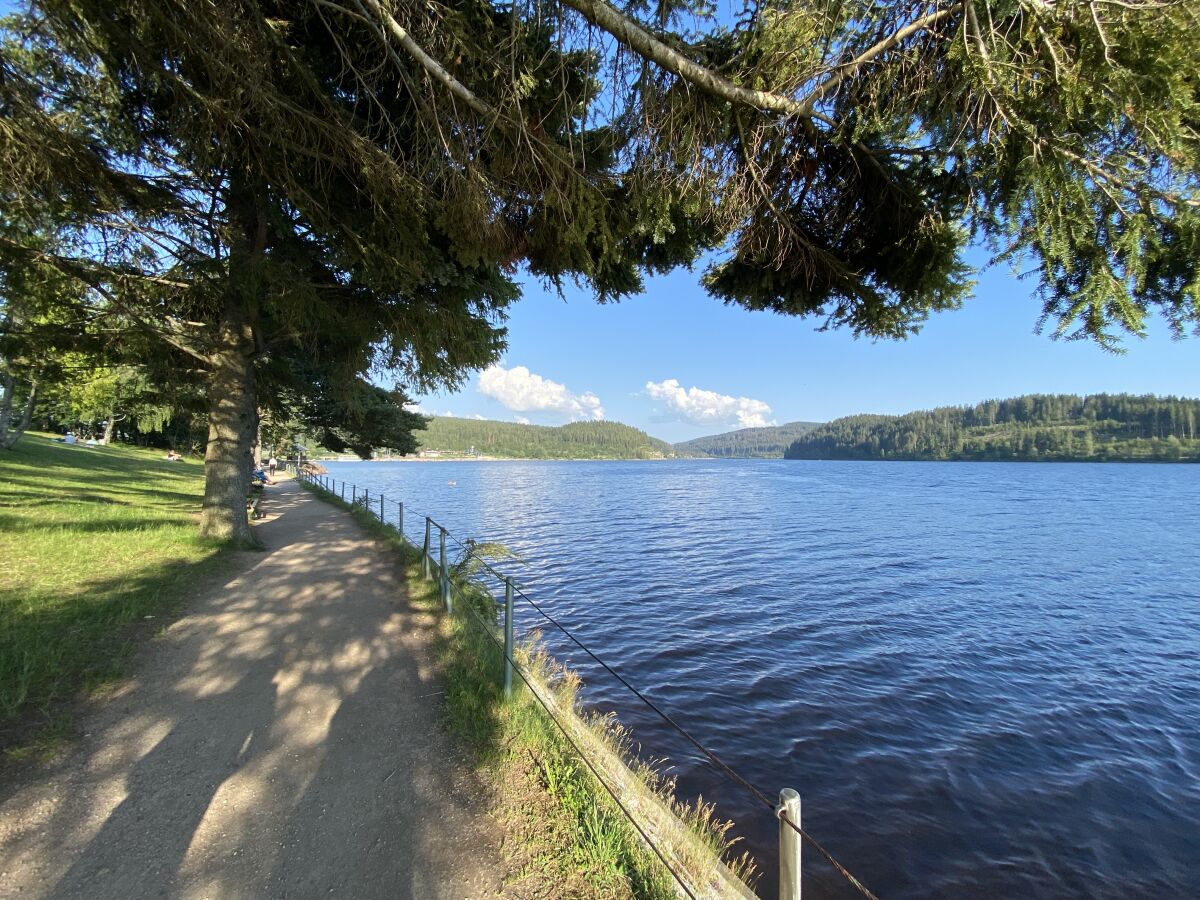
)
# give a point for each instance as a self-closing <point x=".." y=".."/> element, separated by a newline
<point x="280" y="740"/>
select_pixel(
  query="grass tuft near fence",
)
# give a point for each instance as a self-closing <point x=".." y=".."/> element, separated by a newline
<point x="94" y="542"/>
<point x="565" y="836"/>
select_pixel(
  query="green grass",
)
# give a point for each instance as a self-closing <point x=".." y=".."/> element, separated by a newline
<point x="92" y="540"/>
<point x="569" y="835"/>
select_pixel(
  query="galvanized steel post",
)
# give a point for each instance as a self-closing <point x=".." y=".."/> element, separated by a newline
<point x="425" y="552"/>
<point x="445" y="571"/>
<point x="343" y="496"/>
<point x="789" y="844"/>
<point x="353" y="493"/>
<point x="381" y="507"/>
<point x="508" y="635"/>
<point x="400" y="518"/>
<point x="366" y="500"/>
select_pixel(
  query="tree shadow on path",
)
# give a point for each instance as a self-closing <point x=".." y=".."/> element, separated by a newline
<point x="280" y="740"/>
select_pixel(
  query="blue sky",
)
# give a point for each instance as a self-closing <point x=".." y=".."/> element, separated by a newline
<point x="587" y="357"/>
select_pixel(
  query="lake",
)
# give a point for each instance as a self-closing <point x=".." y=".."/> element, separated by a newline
<point x="982" y="678"/>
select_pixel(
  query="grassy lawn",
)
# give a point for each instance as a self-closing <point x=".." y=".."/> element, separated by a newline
<point x="92" y="539"/>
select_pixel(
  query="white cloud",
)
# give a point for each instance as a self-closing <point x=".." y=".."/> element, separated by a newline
<point x="422" y="411"/>
<point x="703" y="407"/>
<point x="520" y="390"/>
<point x="521" y="420"/>
<point x="479" y="417"/>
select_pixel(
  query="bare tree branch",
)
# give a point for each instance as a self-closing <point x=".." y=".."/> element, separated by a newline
<point x="841" y="73"/>
<point x="627" y="31"/>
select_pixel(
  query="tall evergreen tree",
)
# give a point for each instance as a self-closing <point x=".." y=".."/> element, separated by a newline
<point x="347" y="184"/>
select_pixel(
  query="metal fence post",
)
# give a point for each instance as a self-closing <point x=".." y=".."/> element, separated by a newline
<point x="789" y="844"/>
<point x="508" y="635"/>
<point x="353" y="493"/>
<point x="381" y="507"/>
<point x="445" y="571"/>
<point x="366" y="500"/>
<point x="342" y="496"/>
<point x="425" y="551"/>
<point x="400" y="518"/>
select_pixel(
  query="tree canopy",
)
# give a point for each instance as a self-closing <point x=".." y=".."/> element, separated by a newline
<point x="301" y="198"/>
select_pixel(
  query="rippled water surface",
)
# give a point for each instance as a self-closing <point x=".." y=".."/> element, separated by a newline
<point x="984" y="679"/>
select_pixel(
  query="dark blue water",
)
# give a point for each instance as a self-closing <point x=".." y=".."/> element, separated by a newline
<point x="984" y="679"/>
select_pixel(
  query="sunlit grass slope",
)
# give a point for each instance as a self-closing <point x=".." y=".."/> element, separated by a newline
<point x="92" y="539"/>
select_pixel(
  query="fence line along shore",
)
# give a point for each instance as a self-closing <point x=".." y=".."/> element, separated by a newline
<point x="663" y="833"/>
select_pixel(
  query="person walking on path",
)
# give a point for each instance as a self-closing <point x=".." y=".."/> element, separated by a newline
<point x="280" y="740"/>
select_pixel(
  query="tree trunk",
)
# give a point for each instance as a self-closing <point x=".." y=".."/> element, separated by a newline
<point x="258" y="437"/>
<point x="13" y="431"/>
<point x="27" y="412"/>
<point x="231" y="427"/>
<point x="7" y="385"/>
<point x="232" y="397"/>
<point x="108" y="429"/>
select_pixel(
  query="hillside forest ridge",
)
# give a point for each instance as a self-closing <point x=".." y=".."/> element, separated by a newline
<point x="1099" y="427"/>
<point x="576" y="440"/>
<point x="747" y="443"/>
<point x="1062" y="427"/>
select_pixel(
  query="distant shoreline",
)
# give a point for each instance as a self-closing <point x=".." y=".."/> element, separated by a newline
<point x="453" y="459"/>
<point x="448" y="459"/>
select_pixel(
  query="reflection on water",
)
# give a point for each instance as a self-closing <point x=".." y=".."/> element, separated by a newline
<point x="984" y="679"/>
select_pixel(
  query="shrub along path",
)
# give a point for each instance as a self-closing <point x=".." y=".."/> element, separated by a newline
<point x="281" y="739"/>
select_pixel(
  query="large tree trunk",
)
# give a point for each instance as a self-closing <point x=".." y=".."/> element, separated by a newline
<point x="232" y="400"/>
<point x="232" y="422"/>
<point x="109" y="425"/>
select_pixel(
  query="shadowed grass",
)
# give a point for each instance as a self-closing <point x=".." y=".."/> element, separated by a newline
<point x="565" y="837"/>
<point x="92" y="539"/>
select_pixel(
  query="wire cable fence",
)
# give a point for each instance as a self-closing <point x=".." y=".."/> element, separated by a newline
<point x="786" y="810"/>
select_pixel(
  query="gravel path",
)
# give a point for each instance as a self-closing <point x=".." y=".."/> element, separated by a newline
<point x="280" y="740"/>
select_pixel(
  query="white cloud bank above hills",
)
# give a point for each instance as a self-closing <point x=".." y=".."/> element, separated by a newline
<point x="520" y="390"/>
<point x="701" y="407"/>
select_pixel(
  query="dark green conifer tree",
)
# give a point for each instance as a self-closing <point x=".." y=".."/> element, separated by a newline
<point x="350" y="183"/>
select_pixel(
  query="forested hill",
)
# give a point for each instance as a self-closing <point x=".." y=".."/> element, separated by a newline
<point x="578" y="440"/>
<point x="747" y="443"/>
<point x="1101" y="427"/>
